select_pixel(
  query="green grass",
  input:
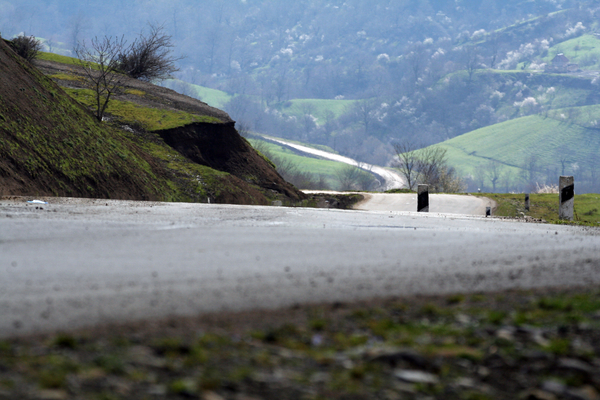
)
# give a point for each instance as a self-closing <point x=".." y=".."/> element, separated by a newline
<point x="58" y="58"/>
<point x="60" y="140"/>
<point x="212" y="97"/>
<point x="318" y="108"/>
<point x="152" y="119"/>
<point x="545" y="206"/>
<point x="512" y="142"/>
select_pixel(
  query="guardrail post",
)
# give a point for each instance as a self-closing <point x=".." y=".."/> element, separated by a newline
<point x="566" y="186"/>
<point x="527" y="202"/>
<point x="423" y="198"/>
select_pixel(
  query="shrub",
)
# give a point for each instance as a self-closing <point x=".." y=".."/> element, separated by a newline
<point x="149" y="57"/>
<point x="27" y="47"/>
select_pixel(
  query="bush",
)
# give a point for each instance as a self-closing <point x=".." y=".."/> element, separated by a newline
<point x="27" y="47"/>
<point x="149" y="57"/>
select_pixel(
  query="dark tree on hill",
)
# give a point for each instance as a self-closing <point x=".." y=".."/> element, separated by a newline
<point x="27" y="47"/>
<point x="100" y="64"/>
<point x="408" y="162"/>
<point x="428" y="166"/>
<point x="149" y="57"/>
<point x="471" y="60"/>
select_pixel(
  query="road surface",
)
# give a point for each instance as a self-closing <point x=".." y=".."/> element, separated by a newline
<point x="391" y="179"/>
<point x="440" y="203"/>
<point x="75" y="263"/>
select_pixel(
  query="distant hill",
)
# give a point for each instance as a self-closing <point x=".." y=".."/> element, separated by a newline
<point x="50" y="144"/>
<point x="532" y="149"/>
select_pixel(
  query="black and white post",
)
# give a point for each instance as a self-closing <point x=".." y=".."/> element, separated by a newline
<point x="423" y="198"/>
<point x="566" y="186"/>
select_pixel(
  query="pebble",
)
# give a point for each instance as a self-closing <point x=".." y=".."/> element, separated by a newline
<point x="584" y="393"/>
<point x="414" y="376"/>
<point x="211" y="396"/>
<point x="505" y="334"/>
<point x="52" y="395"/>
<point x="394" y="356"/>
<point x="158" y="390"/>
<point x="575" y="365"/>
<point x="144" y="356"/>
<point x="554" y="387"/>
<point x="537" y="394"/>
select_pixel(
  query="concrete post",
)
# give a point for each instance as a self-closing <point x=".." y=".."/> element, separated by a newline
<point x="527" y="202"/>
<point x="566" y="186"/>
<point x="423" y="198"/>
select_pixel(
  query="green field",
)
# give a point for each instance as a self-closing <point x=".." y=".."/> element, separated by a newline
<point x="318" y="108"/>
<point x="513" y="142"/>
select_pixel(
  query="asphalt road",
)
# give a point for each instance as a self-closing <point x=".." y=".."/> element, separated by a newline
<point x="75" y="263"/>
<point x="440" y="203"/>
<point x="390" y="178"/>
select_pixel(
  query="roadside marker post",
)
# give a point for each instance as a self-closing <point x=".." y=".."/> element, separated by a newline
<point x="527" y="202"/>
<point x="566" y="187"/>
<point x="423" y="198"/>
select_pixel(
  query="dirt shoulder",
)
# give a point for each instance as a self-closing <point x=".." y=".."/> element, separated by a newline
<point x="516" y="344"/>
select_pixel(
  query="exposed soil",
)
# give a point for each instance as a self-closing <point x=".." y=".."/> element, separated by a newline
<point x="220" y="147"/>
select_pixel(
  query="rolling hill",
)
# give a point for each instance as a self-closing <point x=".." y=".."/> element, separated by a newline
<point x="532" y="149"/>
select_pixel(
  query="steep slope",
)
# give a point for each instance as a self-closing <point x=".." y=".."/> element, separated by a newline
<point x="50" y="144"/>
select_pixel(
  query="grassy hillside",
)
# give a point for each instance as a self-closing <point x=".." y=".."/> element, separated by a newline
<point x="51" y="144"/>
<point x="583" y="50"/>
<point x="567" y="135"/>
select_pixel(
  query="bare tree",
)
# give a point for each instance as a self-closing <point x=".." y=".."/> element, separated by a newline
<point x="27" y="47"/>
<point x="348" y="176"/>
<point x="493" y="171"/>
<point x="433" y="168"/>
<point x="428" y="166"/>
<point x="100" y="64"/>
<point x="416" y="59"/>
<point x="149" y="57"/>
<point x="408" y="162"/>
<point x="471" y="60"/>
